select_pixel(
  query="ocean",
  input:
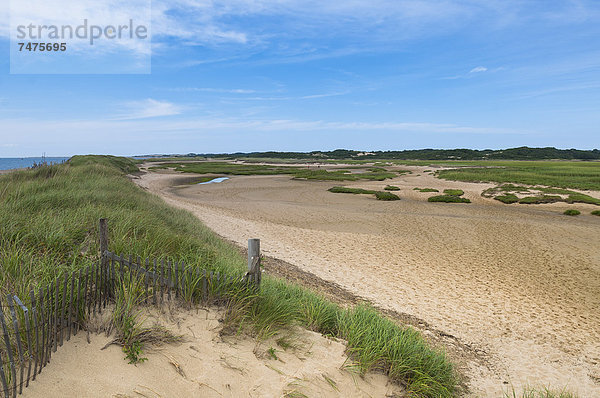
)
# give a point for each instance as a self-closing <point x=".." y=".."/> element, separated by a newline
<point x="19" y="163"/>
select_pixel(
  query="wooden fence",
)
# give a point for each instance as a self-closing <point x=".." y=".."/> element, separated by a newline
<point x="33" y="328"/>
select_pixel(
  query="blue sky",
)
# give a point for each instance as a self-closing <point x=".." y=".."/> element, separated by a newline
<point x="252" y="75"/>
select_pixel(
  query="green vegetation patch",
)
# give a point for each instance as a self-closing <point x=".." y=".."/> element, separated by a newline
<point x="534" y="200"/>
<point x="596" y="213"/>
<point x="257" y="169"/>
<point x="448" y="199"/>
<point x="565" y="174"/>
<point x="356" y="191"/>
<point x="454" y="192"/>
<point x="391" y="188"/>
<point x="507" y="198"/>
<point x="386" y="196"/>
<point x="49" y="223"/>
<point x="572" y="212"/>
<point x="426" y="189"/>
<point x="537" y="195"/>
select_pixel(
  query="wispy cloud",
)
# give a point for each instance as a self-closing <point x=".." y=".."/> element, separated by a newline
<point x="148" y="108"/>
<point x="478" y="69"/>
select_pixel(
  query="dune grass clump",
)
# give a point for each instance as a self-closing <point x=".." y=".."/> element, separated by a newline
<point x="572" y="212"/>
<point x="386" y="196"/>
<point x="356" y="191"/>
<point x="391" y="188"/>
<point x="49" y="223"/>
<point x="448" y="199"/>
<point x="507" y="198"/>
<point x="595" y="213"/>
<point x="544" y="392"/>
<point x="454" y="192"/>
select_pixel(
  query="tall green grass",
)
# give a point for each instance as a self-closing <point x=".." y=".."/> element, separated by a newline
<point x="48" y="224"/>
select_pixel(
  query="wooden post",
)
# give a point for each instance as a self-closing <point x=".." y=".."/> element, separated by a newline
<point x="63" y="312"/>
<point x="71" y="304"/>
<point x="78" y="311"/>
<point x="29" y="344"/>
<point x="56" y="319"/>
<point x="254" y="261"/>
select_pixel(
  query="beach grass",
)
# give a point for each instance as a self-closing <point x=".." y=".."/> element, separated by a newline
<point x="571" y="212"/>
<point x="48" y="225"/>
<point x="391" y="188"/>
<point x="537" y="195"/>
<point x="543" y="392"/>
<point x="595" y="213"/>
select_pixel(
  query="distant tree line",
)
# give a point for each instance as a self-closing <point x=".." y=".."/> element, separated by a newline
<point x="521" y="153"/>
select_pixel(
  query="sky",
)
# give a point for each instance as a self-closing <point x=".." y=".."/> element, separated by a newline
<point x="291" y="75"/>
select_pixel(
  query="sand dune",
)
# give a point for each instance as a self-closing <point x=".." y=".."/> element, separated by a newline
<point x="519" y="283"/>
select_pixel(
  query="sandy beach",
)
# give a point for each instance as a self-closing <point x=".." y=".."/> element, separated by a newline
<point x="205" y="363"/>
<point x="518" y="284"/>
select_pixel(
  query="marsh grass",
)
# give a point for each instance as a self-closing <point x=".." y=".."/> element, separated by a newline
<point x="48" y="225"/>
<point x="448" y="199"/>
<point x="374" y="173"/>
<point x="454" y="192"/>
<point x="391" y="188"/>
<point x="426" y="189"/>
<point x="537" y="194"/>
<point x="507" y="198"/>
<point x="388" y="196"/>
<point x="356" y="191"/>
<point x="562" y="174"/>
<point x="595" y="213"/>
<point x="571" y="212"/>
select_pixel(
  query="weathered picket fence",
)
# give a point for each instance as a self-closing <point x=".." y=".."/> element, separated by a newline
<point x="35" y="327"/>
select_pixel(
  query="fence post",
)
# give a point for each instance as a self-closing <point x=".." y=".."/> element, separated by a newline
<point x="254" y="261"/>
<point x="9" y="352"/>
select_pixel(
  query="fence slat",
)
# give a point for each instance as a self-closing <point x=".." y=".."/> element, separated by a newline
<point x="146" y="279"/>
<point x="5" y="389"/>
<point x="204" y="287"/>
<point x="9" y="350"/>
<point x="34" y="315"/>
<point x="176" y="279"/>
<point x="78" y="307"/>
<point x="169" y="280"/>
<point x="28" y="335"/>
<point x="63" y="312"/>
<point x="162" y="279"/>
<point x="71" y="304"/>
<point x="56" y="307"/>
<point x="154" y="283"/>
<point x="11" y="307"/>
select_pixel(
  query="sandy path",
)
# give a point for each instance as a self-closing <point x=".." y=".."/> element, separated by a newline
<point x="520" y="283"/>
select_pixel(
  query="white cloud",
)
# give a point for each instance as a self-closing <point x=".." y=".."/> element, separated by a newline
<point x="478" y="69"/>
<point x="149" y="108"/>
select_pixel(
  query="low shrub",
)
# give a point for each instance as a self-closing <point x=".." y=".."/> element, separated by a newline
<point x="391" y="188"/>
<point x="572" y="212"/>
<point x="596" y="213"/>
